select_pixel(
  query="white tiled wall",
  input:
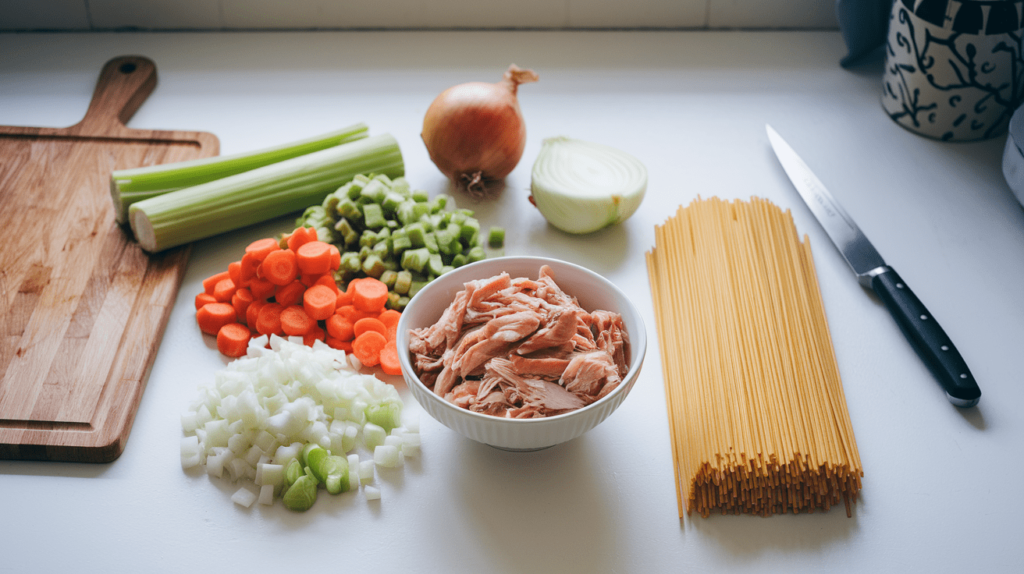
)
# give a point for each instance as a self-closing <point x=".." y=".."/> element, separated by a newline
<point x="342" y="14"/>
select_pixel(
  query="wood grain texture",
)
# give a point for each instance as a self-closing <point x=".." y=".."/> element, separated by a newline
<point x="82" y="307"/>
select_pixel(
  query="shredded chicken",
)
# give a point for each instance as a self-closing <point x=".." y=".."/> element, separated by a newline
<point x="520" y="348"/>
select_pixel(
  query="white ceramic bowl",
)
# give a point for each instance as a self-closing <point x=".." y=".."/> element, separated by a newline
<point x="593" y="292"/>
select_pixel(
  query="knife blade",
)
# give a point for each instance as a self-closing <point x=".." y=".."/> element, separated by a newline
<point x="915" y="321"/>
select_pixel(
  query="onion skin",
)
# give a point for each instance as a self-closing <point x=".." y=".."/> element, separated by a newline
<point x="475" y="132"/>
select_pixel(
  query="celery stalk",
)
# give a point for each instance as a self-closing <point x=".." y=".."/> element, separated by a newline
<point x="259" y="194"/>
<point x="128" y="186"/>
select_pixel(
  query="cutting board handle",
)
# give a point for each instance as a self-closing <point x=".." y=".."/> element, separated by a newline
<point x="124" y="83"/>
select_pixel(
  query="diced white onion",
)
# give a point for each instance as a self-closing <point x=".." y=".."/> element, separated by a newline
<point x="243" y="497"/>
<point x="386" y="456"/>
<point x="267" y="494"/>
<point x="365" y="471"/>
<point x="371" y="492"/>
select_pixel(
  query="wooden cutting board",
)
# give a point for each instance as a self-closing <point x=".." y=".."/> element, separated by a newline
<point x="82" y="307"/>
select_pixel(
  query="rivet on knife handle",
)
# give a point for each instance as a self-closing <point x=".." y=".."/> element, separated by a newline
<point x="927" y="337"/>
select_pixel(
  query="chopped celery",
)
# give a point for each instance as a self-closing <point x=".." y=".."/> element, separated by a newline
<point x="496" y="237"/>
<point x="301" y="495"/>
<point x="253" y="196"/>
<point x="128" y="186"/>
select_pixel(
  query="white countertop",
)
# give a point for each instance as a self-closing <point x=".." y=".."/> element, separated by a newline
<point x="941" y="489"/>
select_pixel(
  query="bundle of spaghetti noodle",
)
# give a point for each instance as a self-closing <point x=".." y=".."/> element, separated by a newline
<point x="756" y="407"/>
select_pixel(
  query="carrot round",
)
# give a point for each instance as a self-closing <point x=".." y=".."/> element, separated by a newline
<point x="369" y="324"/>
<point x="327" y="280"/>
<point x="369" y="295"/>
<point x="314" y="334"/>
<point x="252" y="313"/>
<point x="339" y="344"/>
<point x="310" y="279"/>
<point x="262" y="289"/>
<point x="233" y="339"/>
<point x="319" y="302"/>
<point x="241" y="301"/>
<point x="389" y="359"/>
<point x="295" y="321"/>
<point x="367" y="348"/>
<point x="224" y="290"/>
<point x="210" y="282"/>
<point x="204" y="298"/>
<point x="352" y="314"/>
<point x="340" y="328"/>
<point x="260" y="248"/>
<point x="335" y="258"/>
<point x="280" y="267"/>
<point x="390" y="317"/>
<point x="290" y="294"/>
<point x="300" y="237"/>
<point x="247" y="268"/>
<point x="314" y="257"/>
<point x="269" y="320"/>
<point x="214" y="316"/>
<point x="344" y="297"/>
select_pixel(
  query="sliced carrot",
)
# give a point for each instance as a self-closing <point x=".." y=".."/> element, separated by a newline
<point x="392" y="333"/>
<point x="319" y="302"/>
<point x="344" y="297"/>
<point x="340" y="328"/>
<point x="314" y="334"/>
<point x="314" y="257"/>
<point x="224" y="290"/>
<point x="252" y="313"/>
<point x="235" y="271"/>
<point x="280" y="267"/>
<point x="269" y="320"/>
<point x="369" y="324"/>
<point x="290" y="294"/>
<point x="369" y="295"/>
<point x="339" y="344"/>
<point x="295" y="321"/>
<point x="389" y="359"/>
<point x="390" y="317"/>
<point x="367" y="348"/>
<point x="327" y="280"/>
<point x="210" y="282"/>
<point x="260" y="248"/>
<point x="335" y="258"/>
<point x="241" y="301"/>
<point x="300" y="237"/>
<point x="309" y="279"/>
<point x="352" y="314"/>
<point x="233" y="339"/>
<point x="213" y="316"/>
<point x="262" y="289"/>
<point x="247" y="268"/>
<point x="203" y="299"/>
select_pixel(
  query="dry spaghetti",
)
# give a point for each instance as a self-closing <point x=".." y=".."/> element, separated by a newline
<point x="756" y="407"/>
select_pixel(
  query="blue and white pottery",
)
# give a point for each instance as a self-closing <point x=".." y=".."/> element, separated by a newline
<point x="953" y="68"/>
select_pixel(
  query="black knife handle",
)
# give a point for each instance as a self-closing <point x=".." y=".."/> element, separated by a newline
<point x="927" y="337"/>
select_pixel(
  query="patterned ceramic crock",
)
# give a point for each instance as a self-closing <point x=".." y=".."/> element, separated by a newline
<point x="953" y="68"/>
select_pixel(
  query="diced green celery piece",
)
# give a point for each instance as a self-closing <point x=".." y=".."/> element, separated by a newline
<point x="391" y="202"/>
<point x="415" y="259"/>
<point x="373" y="215"/>
<point x="459" y="260"/>
<point x="496" y="237"/>
<point x="470" y="230"/>
<point x="361" y="179"/>
<point x="406" y="212"/>
<point x="348" y="235"/>
<point x="401" y="186"/>
<point x="400" y="244"/>
<point x="446" y="269"/>
<point x="350" y="262"/>
<point x="392" y="224"/>
<point x="349" y="209"/>
<point x="373" y="266"/>
<point x="476" y="254"/>
<point x="393" y="299"/>
<point x="403" y="301"/>
<point x="374" y="191"/>
<point x="381" y="249"/>
<point x="420" y="196"/>
<point x="419" y="210"/>
<point x="387" y="415"/>
<point x="301" y="495"/>
<point x="459" y="218"/>
<point x="368" y="238"/>
<point x="447" y="241"/>
<point x="330" y="203"/>
<point x="383" y="234"/>
<point x="388" y="278"/>
<point x="355" y="190"/>
<point x="383" y="179"/>
<point x="364" y="252"/>
<point x="434" y="264"/>
<point x="403" y="282"/>
<point x="416" y="286"/>
<point x="391" y="264"/>
<point x="474" y="240"/>
<point x="439" y="203"/>
<point x="430" y="242"/>
<point x="415" y="233"/>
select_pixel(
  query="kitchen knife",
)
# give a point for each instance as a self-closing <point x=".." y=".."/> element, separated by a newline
<point x="921" y="329"/>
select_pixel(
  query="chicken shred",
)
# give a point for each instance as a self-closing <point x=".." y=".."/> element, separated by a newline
<point x="520" y="348"/>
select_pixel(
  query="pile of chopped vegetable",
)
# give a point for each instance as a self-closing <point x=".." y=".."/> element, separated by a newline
<point x="389" y="232"/>
<point x="287" y="288"/>
<point x="288" y="418"/>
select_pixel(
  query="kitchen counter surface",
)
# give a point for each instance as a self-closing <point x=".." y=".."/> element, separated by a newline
<point x="941" y="490"/>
